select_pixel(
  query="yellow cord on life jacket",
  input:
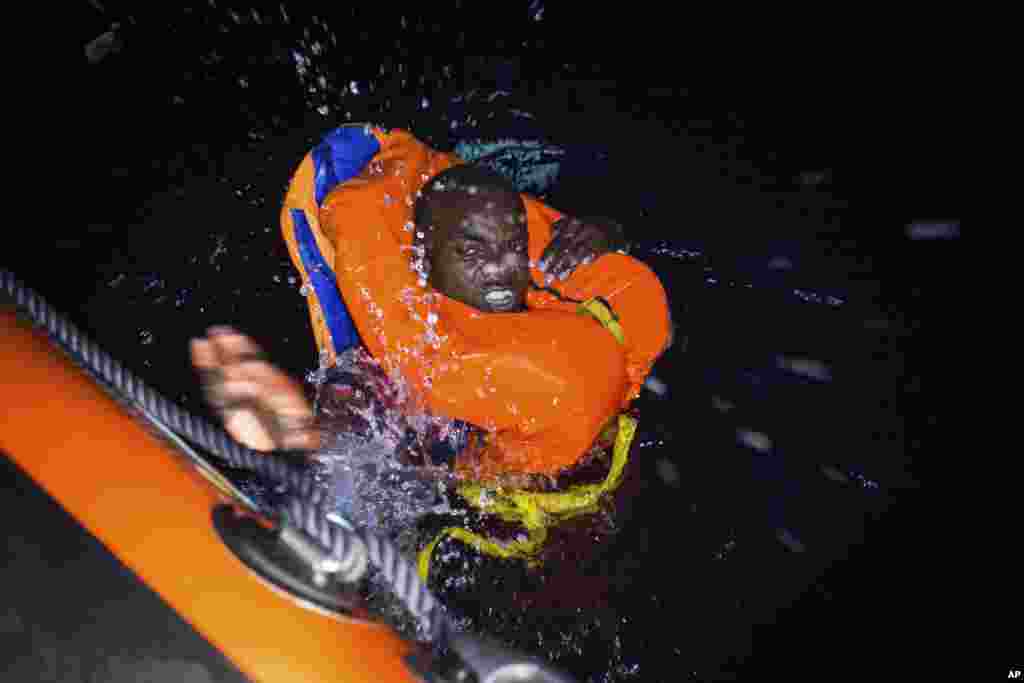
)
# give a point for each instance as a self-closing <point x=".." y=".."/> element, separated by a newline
<point x="599" y="309"/>
<point x="537" y="511"/>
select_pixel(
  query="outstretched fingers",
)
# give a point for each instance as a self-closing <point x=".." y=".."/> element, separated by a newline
<point x="260" y="405"/>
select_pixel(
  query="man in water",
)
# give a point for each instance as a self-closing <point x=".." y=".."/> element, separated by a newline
<point x="472" y="244"/>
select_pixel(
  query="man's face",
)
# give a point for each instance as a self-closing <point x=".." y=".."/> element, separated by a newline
<point x="477" y="250"/>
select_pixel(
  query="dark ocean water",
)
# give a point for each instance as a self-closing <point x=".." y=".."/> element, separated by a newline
<point x="776" y="213"/>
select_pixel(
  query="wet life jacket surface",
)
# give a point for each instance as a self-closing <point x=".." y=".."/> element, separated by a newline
<point x="542" y="384"/>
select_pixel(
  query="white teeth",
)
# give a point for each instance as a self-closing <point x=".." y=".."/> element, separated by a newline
<point x="500" y="296"/>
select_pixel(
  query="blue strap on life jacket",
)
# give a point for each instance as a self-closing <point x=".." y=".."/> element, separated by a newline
<point x="339" y="322"/>
<point x="342" y="154"/>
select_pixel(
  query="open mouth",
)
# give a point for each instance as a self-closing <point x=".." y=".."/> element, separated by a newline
<point x="500" y="298"/>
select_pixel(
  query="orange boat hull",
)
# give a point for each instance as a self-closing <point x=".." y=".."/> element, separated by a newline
<point x="152" y="510"/>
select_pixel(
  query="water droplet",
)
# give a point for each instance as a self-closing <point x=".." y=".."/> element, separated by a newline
<point x="668" y="472"/>
<point x="725" y="550"/>
<point x="721" y="405"/>
<point x="755" y="440"/>
<point x="655" y="385"/>
<point x="790" y="540"/>
<point x="806" y="367"/>
<point x="145" y="337"/>
<point x="305" y="290"/>
<point x="835" y="474"/>
<point x="934" y="231"/>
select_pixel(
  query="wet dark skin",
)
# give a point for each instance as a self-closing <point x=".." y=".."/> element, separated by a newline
<point x="476" y="253"/>
<point x="476" y="250"/>
<point x="478" y="246"/>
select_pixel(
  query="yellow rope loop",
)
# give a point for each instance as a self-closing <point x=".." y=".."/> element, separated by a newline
<point x="537" y="511"/>
<point x="522" y="547"/>
<point x="534" y="510"/>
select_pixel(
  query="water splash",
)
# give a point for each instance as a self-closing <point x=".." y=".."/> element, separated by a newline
<point x="375" y="443"/>
<point x="374" y="491"/>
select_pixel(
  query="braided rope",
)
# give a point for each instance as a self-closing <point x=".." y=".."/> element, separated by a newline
<point x="307" y="505"/>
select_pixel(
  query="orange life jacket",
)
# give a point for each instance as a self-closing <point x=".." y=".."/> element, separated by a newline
<point x="542" y="383"/>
